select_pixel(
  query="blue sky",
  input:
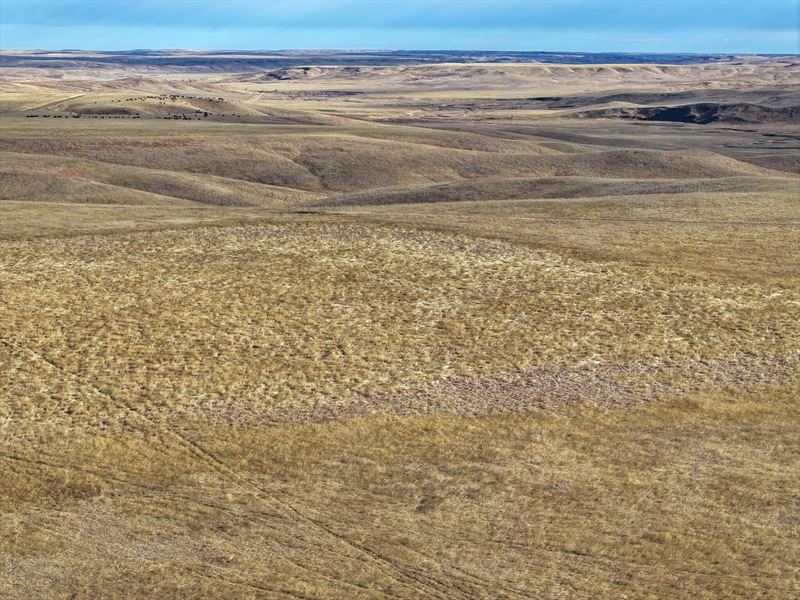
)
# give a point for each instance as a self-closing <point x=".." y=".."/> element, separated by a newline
<point x="757" y="26"/>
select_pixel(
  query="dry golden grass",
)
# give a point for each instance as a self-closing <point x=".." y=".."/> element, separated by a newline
<point x="332" y="310"/>
<point x="40" y="178"/>
<point x="668" y="500"/>
<point x="274" y="360"/>
<point x="153" y="363"/>
<point x="741" y="233"/>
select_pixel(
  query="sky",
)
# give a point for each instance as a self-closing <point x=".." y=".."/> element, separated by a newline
<point x="711" y="26"/>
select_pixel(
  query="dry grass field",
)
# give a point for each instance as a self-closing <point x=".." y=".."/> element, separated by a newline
<point x="473" y="330"/>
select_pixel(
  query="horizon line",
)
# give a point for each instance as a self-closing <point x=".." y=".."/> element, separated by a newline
<point x="426" y="50"/>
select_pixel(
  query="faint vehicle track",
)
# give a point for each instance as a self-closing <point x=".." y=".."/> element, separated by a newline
<point x="35" y="464"/>
<point x="55" y="102"/>
<point x="401" y="573"/>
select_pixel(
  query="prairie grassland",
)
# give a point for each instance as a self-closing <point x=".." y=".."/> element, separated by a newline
<point x="600" y="428"/>
<point x="668" y="500"/>
<point x="332" y="310"/>
<point x="396" y="348"/>
<point x="745" y="233"/>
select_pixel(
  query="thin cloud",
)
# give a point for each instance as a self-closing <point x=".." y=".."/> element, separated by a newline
<point x="646" y="25"/>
